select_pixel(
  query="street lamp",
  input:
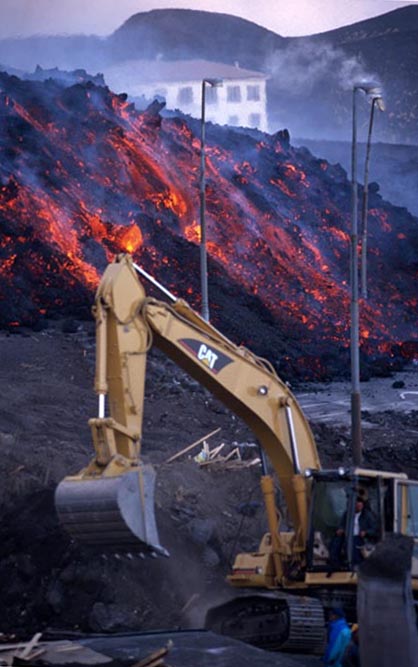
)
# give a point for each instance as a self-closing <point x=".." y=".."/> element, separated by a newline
<point x="376" y="101"/>
<point x="213" y="83"/>
<point x="373" y="91"/>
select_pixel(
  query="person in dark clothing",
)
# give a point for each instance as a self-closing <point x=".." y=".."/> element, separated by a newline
<point x="351" y="657"/>
<point x="364" y="529"/>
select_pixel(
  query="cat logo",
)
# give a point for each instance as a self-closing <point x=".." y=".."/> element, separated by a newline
<point x="215" y="360"/>
<point x="207" y="356"/>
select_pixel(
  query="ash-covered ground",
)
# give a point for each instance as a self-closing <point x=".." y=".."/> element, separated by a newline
<point x="204" y="515"/>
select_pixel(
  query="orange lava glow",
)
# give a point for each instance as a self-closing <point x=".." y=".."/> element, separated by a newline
<point x="192" y="232"/>
<point x="101" y="178"/>
<point x="131" y="239"/>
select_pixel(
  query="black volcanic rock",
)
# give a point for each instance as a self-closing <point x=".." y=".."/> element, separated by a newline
<point x="68" y="78"/>
<point x="394" y="167"/>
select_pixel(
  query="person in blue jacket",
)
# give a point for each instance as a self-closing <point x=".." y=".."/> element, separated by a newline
<point x="339" y="636"/>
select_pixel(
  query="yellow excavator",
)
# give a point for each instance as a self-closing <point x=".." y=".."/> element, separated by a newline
<point x="288" y="583"/>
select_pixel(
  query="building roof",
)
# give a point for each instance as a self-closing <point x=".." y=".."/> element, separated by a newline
<point x="149" y="71"/>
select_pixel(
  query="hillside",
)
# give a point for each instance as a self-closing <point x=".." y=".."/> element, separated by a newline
<point x="400" y="21"/>
<point x="181" y="34"/>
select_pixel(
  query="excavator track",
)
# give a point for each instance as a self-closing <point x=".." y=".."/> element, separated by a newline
<point x="272" y="621"/>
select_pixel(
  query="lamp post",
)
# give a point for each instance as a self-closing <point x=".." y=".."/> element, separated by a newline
<point x="377" y="101"/>
<point x="214" y="83"/>
<point x="374" y="91"/>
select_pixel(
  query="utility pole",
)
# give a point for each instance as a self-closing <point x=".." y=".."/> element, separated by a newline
<point x="214" y="83"/>
<point x="374" y="91"/>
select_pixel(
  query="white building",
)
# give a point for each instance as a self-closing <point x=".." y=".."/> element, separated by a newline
<point x="240" y="101"/>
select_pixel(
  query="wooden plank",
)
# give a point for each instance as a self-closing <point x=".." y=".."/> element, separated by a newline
<point x="234" y="452"/>
<point x="158" y="662"/>
<point x="229" y="463"/>
<point x="253" y="462"/>
<point x="29" y="646"/>
<point x="215" y="451"/>
<point x="212" y="462"/>
<point x="194" y="444"/>
<point x="239" y="463"/>
<point x="153" y="659"/>
<point x="11" y="647"/>
<point x="190" y="602"/>
<point x="31" y="655"/>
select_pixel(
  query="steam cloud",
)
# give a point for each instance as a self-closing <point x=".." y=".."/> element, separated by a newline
<point x="304" y="64"/>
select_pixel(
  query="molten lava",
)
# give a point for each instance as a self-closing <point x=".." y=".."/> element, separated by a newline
<point x="85" y="176"/>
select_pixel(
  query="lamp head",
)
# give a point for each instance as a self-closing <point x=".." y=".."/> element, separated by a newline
<point x="215" y="83"/>
<point x="380" y="103"/>
<point x="372" y="90"/>
<point x="369" y="87"/>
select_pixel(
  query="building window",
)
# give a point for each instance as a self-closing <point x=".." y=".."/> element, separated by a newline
<point x="185" y="96"/>
<point x="211" y="95"/>
<point x="233" y="120"/>
<point x="253" y="93"/>
<point x="254" y="120"/>
<point x="233" y="94"/>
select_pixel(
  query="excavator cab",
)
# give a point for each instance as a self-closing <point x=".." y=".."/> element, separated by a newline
<point x="406" y="515"/>
<point x="336" y="541"/>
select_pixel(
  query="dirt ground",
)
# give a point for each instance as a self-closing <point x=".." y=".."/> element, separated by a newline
<point x="204" y="515"/>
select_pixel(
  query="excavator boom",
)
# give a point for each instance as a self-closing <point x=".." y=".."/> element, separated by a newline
<point x="97" y="505"/>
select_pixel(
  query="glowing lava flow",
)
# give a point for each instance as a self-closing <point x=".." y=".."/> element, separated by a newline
<point x="85" y="176"/>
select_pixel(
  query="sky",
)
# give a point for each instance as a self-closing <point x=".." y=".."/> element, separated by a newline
<point x="101" y="17"/>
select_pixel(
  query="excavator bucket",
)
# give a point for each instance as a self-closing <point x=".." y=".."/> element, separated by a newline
<point x="112" y="513"/>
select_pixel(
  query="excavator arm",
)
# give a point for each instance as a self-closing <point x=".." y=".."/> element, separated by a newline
<point x="249" y="387"/>
<point x="128" y="323"/>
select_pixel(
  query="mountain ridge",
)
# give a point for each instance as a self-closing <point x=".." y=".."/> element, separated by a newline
<point x="311" y="77"/>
